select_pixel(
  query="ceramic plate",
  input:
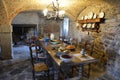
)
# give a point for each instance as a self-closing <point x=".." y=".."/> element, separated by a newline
<point x="94" y="16"/>
<point x="101" y="14"/>
<point x="82" y="18"/>
<point x="84" y="25"/>
<point x="86" y="17"/>
<point x="93" y="25"/>
<point x="88" y="25"/>
<point x="90" y="15"/>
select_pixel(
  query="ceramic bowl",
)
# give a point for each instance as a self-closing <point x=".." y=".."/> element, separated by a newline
<point x="53" y="43"/>
<point x="66" y="57"/>
<point x="59" y="53"/>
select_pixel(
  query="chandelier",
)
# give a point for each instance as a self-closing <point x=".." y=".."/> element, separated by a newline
<point x="55" y="13"/>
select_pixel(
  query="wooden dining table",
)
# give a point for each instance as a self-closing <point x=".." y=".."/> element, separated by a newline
<point x="77" y="59"/>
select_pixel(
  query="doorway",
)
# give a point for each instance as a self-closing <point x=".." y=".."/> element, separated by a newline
<point x="22" y="32"/>
<point x="20" y="35"/>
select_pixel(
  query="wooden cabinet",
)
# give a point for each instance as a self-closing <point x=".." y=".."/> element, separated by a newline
<point x="91" y="24"/>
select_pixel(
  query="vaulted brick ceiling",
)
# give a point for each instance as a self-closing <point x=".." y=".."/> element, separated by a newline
<point x="73" y="8"/>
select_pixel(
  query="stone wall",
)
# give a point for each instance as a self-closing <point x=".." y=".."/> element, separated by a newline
<point x="5" y="43"/>
<point x="43" y="26"/>
<point x="49" y="26"/>
<point x="26" y="18"/>
<point x="107" y="41"/>
<point x="113" y="65"/>
<point x="111" y="41"/>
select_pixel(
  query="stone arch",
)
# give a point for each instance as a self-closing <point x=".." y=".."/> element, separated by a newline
<point x="7" y="15"/>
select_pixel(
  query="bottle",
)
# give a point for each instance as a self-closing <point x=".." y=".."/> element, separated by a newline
<point x="51" y="36"/>
<point x="82" y="51"/>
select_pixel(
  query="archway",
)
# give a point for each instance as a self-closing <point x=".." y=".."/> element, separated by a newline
<point x="24" y="26"/>
<point x="31" y="23"/>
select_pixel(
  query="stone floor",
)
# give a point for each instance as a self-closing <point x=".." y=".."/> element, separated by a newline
<point x="20" y="52"/>
<point x="19" y="68"/>
<point x="16" y="71"/>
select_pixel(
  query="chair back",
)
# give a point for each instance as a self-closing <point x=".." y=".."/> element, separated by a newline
<point x="32" y="40"/>
<point x="74" y="42"/>
<point x="37" y="52"/>
<point x="61" y="38"/>
<point x="38" y="67"/>
<point x="31" y="47"/>
<point x="89" y="46"/>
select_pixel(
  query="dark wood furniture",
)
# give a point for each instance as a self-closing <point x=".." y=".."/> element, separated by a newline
<point x="39" y="68"/>
<point x="61" y="38"/>
<point x="78" y="60"/>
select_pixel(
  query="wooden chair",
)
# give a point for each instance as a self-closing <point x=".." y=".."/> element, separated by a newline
<point x="89" y="50"/>
<point x="61" y="38"/>
<point x="102" y="59"/>
<point x="74" y="42"/>
<point x="32" y="39"/>
<point x="37" y="50"/>
<point x="39" y="69"/>
<point x="88" y="46"/>
<point x="67" y="72"/>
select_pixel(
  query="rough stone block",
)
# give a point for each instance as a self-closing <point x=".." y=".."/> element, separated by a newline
<point x="5" y="28"/>
<point x="110" y="20"/>
<point x="118" y="16"/>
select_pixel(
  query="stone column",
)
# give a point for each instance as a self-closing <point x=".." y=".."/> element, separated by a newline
<point x="6" y="41"/>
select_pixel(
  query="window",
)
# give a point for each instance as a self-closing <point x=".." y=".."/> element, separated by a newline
<point x="64" y="27"/>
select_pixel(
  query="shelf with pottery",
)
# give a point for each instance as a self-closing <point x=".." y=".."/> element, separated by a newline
<point x="93" y="29"/>
<point x="91" y="22"/>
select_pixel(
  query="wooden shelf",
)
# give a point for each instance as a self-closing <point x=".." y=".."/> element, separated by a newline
<point x="95" y="21"/>
<point x="89" y="21"/>
<point x="91" y="29"/>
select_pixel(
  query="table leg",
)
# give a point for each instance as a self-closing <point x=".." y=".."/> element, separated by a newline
<point x="80" y="69"/>
<point x="56" y="71"/>
<point x="56" y="75"/>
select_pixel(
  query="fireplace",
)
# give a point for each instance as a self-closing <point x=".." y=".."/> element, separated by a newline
<point x="22" y="32"/>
